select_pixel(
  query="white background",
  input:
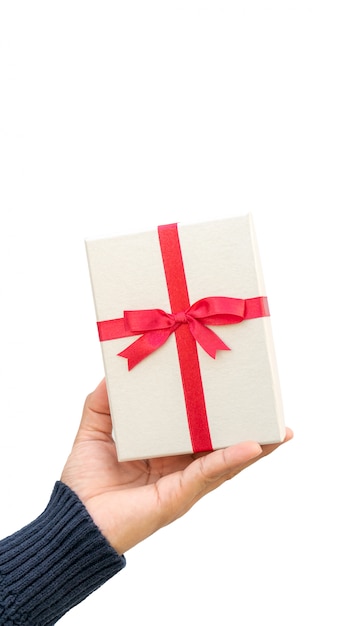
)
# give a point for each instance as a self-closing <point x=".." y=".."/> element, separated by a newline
<point x="124" y="115"/>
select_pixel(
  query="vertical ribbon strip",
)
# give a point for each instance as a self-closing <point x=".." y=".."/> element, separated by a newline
<point x="185" y="342"/>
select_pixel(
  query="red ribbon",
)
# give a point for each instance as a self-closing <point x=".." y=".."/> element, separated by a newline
<point x="189" y="323"/>
<point x="156" y="325"/>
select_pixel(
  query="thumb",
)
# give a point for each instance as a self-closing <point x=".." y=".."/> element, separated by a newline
<point x="96" y="412"/>
<point x="97" y="400"/>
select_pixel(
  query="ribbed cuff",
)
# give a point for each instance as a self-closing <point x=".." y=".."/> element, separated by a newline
<point x="55" y="562"/>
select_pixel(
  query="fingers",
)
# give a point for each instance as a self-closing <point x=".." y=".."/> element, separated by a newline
<point x="268" y="449"/>
<point x="220" y="463"/>
<point x="211" y="470"/>
<point x="180" y="491"/>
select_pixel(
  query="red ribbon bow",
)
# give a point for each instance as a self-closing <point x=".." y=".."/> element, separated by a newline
<point x="156" y="325"/>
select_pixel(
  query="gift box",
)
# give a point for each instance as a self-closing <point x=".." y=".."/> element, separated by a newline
<point x="185" y="331"/>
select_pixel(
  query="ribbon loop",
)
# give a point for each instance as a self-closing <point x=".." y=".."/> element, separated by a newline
<point x="146" y="320"/>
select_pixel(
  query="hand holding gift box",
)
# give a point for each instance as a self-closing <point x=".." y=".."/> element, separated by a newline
<point x="186" y="306"/>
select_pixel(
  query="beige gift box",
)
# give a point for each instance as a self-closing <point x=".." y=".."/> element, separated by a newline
<point x="187" y="287"/>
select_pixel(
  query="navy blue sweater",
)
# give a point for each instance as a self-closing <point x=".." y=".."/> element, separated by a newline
<point x="53" y="563"/>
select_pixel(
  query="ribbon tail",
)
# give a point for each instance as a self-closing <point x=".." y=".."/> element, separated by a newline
<point x="209" y="340"/>
<point x="145" y="345"/>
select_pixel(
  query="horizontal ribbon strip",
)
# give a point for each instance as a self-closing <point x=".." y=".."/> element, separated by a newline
<point x="156" y="325"/>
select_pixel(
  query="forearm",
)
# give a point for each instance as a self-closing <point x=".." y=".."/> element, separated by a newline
<point x="55" y="562"/>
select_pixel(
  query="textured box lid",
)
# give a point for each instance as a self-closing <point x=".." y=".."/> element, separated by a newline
<point x="241" y="386"/>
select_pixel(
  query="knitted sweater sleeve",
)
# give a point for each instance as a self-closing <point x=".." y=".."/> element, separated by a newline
<point x="53" y="563"/>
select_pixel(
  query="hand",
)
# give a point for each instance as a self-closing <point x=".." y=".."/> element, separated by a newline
<point x="130" y="500"/>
